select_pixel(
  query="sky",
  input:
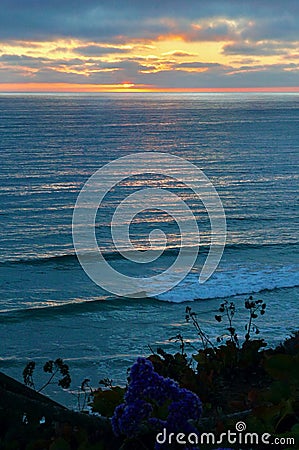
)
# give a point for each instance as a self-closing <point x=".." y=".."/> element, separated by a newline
<point x="159" y="45"/>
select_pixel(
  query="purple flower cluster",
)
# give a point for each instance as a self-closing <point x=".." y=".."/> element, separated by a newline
<point x="147" y="391"/>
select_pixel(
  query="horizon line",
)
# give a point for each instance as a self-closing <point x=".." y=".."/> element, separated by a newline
<point x="128" y="87"/>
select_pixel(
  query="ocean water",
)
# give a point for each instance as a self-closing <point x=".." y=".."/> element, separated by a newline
<point x="247" y="144"/>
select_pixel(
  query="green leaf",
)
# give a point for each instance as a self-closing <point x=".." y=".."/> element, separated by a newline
<point x="105" y="401"/>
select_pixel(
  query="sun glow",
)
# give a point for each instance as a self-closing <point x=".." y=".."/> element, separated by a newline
<point x="135" y="65"/>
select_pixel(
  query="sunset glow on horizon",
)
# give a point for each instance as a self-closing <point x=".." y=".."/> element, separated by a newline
<point x="130" y="88"/>
<point x="170" y="47"/>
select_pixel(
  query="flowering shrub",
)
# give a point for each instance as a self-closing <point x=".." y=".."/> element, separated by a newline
<point x="150" y="396"/>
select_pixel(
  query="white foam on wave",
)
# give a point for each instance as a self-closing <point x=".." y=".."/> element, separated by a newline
<point x="233" y="282"/>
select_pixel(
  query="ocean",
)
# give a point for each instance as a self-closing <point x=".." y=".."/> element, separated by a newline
<point x="247" y="144"/>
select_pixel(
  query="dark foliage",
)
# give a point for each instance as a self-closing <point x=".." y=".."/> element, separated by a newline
<point x="236" y="378"/>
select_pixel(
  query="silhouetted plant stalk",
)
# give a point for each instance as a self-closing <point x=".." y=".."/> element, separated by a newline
<point x="51" y="367"/>
<point x="254" y="307"/>
<point x="191" y="316"/>
<point x="179" y="338"/>
<point x="28" y="374"/>
<point x="87" y="391"/>
<point x="228" y="309"/>
<point x="107" y="382"/>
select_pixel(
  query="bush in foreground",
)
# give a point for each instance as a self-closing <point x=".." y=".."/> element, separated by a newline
<point x="235" y="379"/>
